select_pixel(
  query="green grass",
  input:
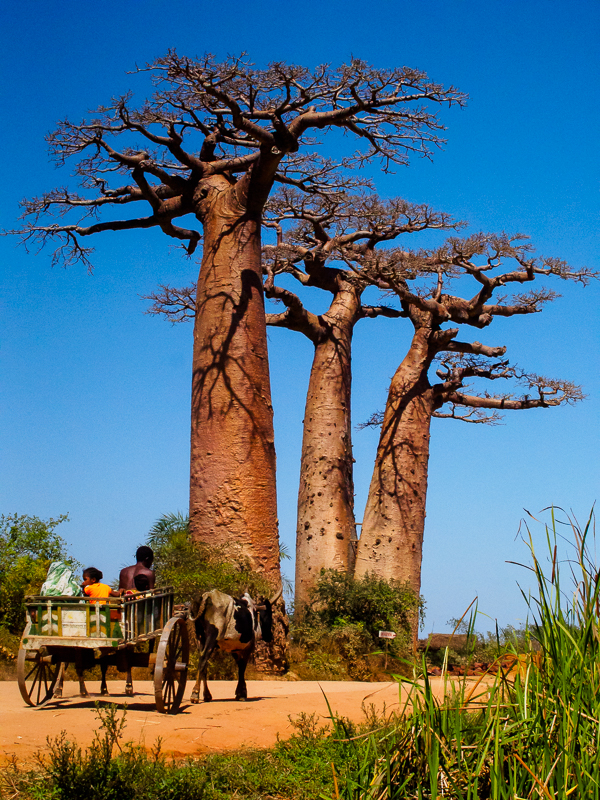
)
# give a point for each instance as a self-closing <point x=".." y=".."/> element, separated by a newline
<point x="300" y="767"/>
<point x="536" y="735"/>
<point x="533" y="734"/>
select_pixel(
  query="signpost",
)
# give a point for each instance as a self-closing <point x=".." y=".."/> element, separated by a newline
<point x="387" y="635"/>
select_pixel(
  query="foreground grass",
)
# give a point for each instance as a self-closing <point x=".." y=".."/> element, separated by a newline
<point x="300" y="767"/>
<point x="534" y="733"/>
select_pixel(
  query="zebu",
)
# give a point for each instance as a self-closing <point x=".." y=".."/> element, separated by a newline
<point x="233" y="625"/>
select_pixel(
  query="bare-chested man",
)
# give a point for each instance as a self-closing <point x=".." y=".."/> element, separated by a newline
<point x="144" y="557"/>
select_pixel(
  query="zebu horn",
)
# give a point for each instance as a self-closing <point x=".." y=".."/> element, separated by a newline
<point x="276" y="596"/>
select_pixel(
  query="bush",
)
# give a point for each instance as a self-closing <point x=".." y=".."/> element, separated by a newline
<point x="9" y="647"/>
<point x="339" y="599"/>
<point x="337" y="634"/>
<point x="484" y="648"/>
<point x="27" y="547"/>
<point x="192" y="568"/>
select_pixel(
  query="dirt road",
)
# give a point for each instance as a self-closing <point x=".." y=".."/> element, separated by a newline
<point x="223" y="724"/>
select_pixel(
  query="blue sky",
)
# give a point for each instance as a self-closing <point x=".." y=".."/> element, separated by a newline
<point x="94" y="398"/>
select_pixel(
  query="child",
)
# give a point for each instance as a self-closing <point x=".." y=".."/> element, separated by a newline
<point x="93" y="588"/>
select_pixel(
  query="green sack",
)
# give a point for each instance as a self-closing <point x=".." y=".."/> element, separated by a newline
<point x="60" y="581"/>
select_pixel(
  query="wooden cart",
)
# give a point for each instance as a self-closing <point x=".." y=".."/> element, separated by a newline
<point x="120" y="632"/>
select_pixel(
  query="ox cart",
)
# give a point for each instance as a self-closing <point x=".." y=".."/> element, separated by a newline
<point x="133" y="631"/>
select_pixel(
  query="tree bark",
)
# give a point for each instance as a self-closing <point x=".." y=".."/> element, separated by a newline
<point x="233" y="502"/>
<point x="390" y="545"/>
<point x="326" y="533"/>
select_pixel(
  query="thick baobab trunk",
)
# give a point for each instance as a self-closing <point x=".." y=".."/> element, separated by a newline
<point x="326" y="533"/>
<point x="391" y="540"/>
<point x="232" y="476"/>
<point x="232" y="484"/>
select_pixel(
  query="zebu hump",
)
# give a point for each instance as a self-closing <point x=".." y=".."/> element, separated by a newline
<point x="216" y="608"/>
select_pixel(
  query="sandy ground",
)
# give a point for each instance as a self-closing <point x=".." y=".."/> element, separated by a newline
<point x="223" y="724"/>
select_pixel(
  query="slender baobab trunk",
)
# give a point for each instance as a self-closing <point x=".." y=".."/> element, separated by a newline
<point x="232" y="476"/>
<point x="391" y="540"/>
<point x="326" y="533"/>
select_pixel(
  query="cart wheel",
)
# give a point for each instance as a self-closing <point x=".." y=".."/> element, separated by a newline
<point x="170" y="674"/>
<point x="36" y="675"/>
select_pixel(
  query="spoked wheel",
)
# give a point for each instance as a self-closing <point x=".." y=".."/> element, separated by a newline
<point x="170" y="674"/>
<point x="36" y="675"/>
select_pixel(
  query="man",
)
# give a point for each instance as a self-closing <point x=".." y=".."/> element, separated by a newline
<point x="144" y="558"/>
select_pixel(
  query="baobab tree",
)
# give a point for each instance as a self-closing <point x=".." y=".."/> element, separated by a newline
<point x="317" y="238"/>
<point x="334" y="246"/>
<point x="210" y="143"/>
<point x="391" y="540"/>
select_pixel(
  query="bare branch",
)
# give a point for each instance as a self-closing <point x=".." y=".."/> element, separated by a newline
<point x="374" y="421"/>
<point x="381" y="311"/>
<point x="545" y="393"/>
<point x="229" y="118"/>
<point x="177" y="305"/>
<point x="313" y="174"/>
<point x="277" y="106"/>
<point x="70" y="251"/>
<point x="455" y="369"/>
<point x="484" y="257"/>
<point x="295" y="317"/>
<point x="475" y="416"/>
<point x="475" y="348"/>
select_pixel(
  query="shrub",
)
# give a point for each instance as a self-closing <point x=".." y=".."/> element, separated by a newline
<point x="484" y="647"/>
<point x="336" y="634"/>
<point x="27" y="546"/>
<point x="9" y="647"/>
<point x="374" y="604"/>
<point x="192" y="568"/>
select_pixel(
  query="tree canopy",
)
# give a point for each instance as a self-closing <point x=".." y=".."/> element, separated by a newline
<point x="27" y="547"/>
<point x="209" y="118"/>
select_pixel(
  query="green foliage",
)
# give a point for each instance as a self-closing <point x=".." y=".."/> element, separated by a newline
<point x="336" y="635"/>
<point x="483" y="647"/>
<point x="9" y="644"/>
<point x="193" y="568"/>
<point x="322" y="653"/>
<point x="494" y="643"/>
<point x="530" y="734"/>
<point x="340" y="600"/>
<point x="327" y="665"/>
<point x="509" y="639"/>
<point x="299" y="768"/>
<point x="9" y="647"/>
<point x="27" y="547"/>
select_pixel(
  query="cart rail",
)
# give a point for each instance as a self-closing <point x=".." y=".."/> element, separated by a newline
<point x="94" y="631"/>
<point x="79" y="622"/>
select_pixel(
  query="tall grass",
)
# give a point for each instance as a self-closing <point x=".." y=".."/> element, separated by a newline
<point x="532" y="733"/>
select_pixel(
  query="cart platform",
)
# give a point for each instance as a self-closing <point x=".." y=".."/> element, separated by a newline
<point x="61" y="630"/>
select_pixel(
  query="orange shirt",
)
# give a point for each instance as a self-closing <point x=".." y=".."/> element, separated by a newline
<point x="97" y="590"/>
